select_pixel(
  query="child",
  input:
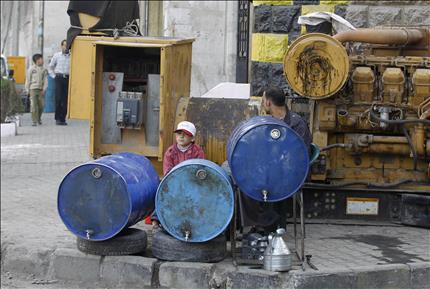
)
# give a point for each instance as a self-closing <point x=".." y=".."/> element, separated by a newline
<point x="36" y="84"/>
<point x="184" y="149"/>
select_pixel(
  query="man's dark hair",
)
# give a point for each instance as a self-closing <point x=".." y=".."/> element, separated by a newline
<point x="275" y="95"/>
<point x="36" y="57"/>
<point x="63" y="41"/>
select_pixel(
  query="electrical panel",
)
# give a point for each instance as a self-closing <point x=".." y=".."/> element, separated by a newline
<point x="129" y="110"/>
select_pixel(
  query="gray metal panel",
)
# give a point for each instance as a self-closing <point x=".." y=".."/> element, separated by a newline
<point x="111" y="133"/>
<point x="153" y="110"/>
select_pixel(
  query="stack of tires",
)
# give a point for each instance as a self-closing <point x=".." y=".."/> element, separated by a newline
<point x="99" y="200"/>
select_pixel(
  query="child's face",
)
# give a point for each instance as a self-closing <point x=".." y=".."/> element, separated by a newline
<point x="183" y="139"/>
<point x="39" y="62"/>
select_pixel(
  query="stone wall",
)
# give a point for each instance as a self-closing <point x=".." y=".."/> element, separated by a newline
<point x="213" y="24"/>
<point x="56" y="24"/>
<point x="279" y="19"/>
<point x="20" y="38"/>
<point x="19" y="23"/>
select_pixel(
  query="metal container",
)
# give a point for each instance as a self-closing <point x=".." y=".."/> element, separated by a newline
<point x="269" y="161"/>
<point x="98" y="199"/>
<point x="195" y="201"/>
<point x="49" y="99"/>
<point x="277" y="256"/>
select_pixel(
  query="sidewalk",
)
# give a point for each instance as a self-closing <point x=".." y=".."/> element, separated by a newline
<point x="35" y="243"/>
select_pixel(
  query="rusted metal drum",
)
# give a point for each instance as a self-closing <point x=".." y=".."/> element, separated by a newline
<point x="98" y="199"/>
<point x="268" y="160"/>
<point x="195" y="201"/>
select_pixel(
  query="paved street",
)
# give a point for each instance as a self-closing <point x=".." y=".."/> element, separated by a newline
<point x="32" y="166"/>
<point x="34" y="162"/>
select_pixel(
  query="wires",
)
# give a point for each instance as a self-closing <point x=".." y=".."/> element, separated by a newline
<point x="397" y="121"/>
<point x="411" y="146"/>
<point x="362" y="183"/>
<point x="336" y="145"/>
<point x="130" y="29"/>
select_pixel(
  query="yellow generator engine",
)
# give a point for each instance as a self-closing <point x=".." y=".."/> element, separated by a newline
<point x="370" y="115"/>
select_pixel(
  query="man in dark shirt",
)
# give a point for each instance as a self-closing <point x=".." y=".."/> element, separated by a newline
<point x="268" y="217"/>
<point x="274" y="104"/>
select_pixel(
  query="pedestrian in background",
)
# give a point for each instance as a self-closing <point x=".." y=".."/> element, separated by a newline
<point x="36" y="84"/>
<point x="59" y="69"/>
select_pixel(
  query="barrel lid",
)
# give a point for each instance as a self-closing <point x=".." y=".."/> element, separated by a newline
<point x="195" y="201"/>
<point x="269" y="160"/>
<point x="316" y="65"/>
<point x="93" y="202"/>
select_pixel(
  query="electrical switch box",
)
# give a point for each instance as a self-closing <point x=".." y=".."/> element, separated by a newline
<point x="129" y="110"/>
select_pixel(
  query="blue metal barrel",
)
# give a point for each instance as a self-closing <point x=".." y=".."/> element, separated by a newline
<point x="49" y="105"/>
<point x="269" y="161"/>
<point x="195" y="201"/>
<point x="98" y="199"/>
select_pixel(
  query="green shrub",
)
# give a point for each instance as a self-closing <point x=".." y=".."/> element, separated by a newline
<point x="11" y="103"/>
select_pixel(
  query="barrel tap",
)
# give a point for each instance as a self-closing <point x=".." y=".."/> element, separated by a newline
<point x="265" y="193"/>
<point x="89" y="232"/>
<point x="187" y="235"/>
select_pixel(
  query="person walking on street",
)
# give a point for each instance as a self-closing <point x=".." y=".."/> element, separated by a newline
<point x="59" y="69"/>
<point x="36" y="84"/>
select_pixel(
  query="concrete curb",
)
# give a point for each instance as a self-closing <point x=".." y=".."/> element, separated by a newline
<point x="70" y="265"/>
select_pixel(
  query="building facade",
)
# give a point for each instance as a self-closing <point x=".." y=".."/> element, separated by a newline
<point x="224" y="31"/>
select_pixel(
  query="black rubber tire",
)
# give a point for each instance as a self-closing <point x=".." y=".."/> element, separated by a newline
<point x="128" y="241"/>
<point x="166" y="247"/>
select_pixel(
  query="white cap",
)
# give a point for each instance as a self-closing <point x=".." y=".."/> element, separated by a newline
<point x="187" y="127"/>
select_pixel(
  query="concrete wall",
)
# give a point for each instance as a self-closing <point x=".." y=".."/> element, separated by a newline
<point x="56" y="25"/>
<point x="20" y="38"/>
<point x="214" y="25"/>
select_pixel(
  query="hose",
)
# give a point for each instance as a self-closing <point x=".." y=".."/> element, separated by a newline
<point x="411" y="146"/>
<point x="367" y="184"/>
<point x="336" y="145"/>
<point x="398" y="121"/>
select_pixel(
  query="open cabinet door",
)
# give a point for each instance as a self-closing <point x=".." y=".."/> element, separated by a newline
<point x="175" y="81"/>
<point x="80" y="80"/>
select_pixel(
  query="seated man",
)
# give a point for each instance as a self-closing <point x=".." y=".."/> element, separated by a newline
<point x="274" y="104"/>
<point x="268" y="217"/>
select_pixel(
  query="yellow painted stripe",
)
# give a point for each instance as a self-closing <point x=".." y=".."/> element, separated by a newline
<point x="334" y="2"/>
<point x="306" y="9"/>
<point x="272" y="2"/>
<point x="268" y="47"/>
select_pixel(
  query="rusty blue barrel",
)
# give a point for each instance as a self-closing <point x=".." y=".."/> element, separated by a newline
<point x="98" y="199"/>
<point x="268" y="160"/>
<point x="195" y="201"/>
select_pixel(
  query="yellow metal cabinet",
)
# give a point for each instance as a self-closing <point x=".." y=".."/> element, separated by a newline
<point x="17" y="63"/>
<point x="91" y="56"/>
